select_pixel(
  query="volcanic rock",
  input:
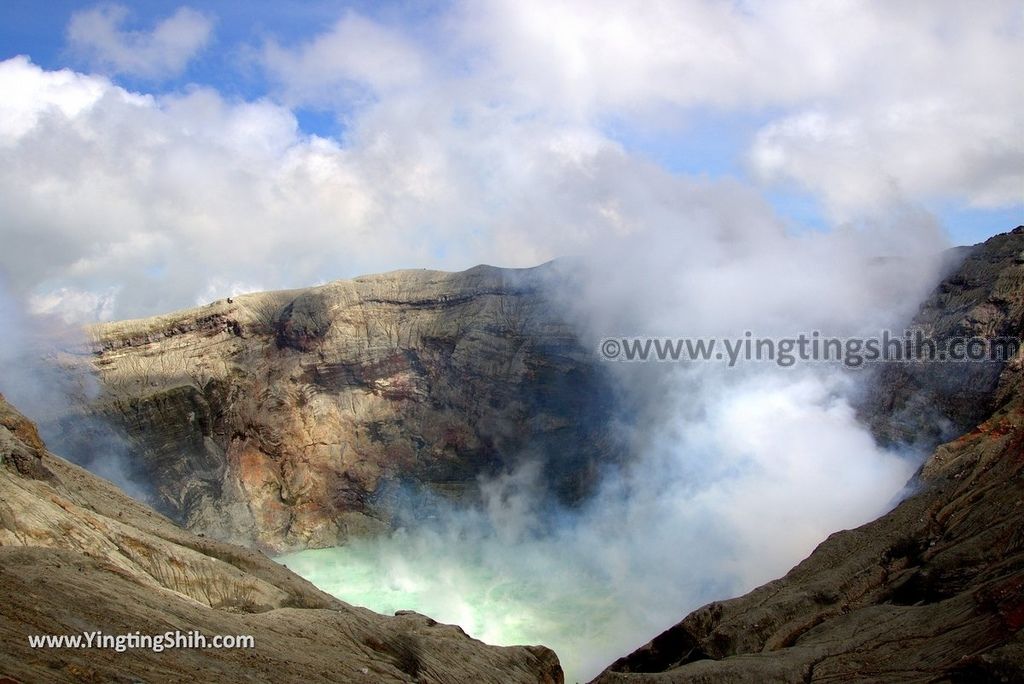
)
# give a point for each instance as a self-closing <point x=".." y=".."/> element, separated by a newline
<point x="298" y="419"/>
<point x="77" y="555"/>
<point x="924" y="404"/>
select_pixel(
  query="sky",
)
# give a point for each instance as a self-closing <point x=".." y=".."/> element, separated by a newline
<point x="157" y="155"/>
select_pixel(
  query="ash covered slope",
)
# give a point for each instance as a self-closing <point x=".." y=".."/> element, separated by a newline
<point x="291" y="420"/>
<point x="77" y="555"/>
<point x="933" y="591"/>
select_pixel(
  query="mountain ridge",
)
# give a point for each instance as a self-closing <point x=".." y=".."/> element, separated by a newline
<point x="292" y="419"/>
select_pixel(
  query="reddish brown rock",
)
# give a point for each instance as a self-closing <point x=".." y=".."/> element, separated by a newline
<point x="293" y="419"/>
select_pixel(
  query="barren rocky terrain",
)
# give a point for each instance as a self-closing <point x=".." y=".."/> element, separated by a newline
<point x="293" y="420"/>
<point x="77" y="555"/>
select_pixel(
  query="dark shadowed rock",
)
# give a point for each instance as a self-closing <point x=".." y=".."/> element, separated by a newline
<point x="928" y="403"/>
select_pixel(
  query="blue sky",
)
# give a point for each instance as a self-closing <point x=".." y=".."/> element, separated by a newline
<point x="825" y="117"/>
<point x="704" y="142"/>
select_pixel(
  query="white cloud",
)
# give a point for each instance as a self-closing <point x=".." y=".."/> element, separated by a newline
<point x="74" y="306"/>
<point x="97" y="36"/>
<point x="335" y="67"/>
<point x="218" y="288"/>
<point x="165" y="197"/>
<point x="31" y="93"/>
<point x="594" y="56"/>
<point x="478" y="137"/>
<point x="865" y="103"/>
<point x="860" y="161"/>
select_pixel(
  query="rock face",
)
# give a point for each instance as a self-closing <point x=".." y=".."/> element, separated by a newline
<point x="296" y="419"/>
<point x="930" y="403"/>
<point x="933" y="591"/>
<point x="77" y="555"/>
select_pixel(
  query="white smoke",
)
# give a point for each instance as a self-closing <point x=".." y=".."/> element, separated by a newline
<point x="710" y="510"/>
<point x="735" y="473"/>
<point x="53" y="392"/>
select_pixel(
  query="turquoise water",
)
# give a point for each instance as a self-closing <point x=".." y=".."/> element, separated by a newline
<point x="538" y="600"/>
<point x="719" y="509"/>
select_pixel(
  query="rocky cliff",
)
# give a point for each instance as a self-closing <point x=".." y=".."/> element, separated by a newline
<point x="933" y="591"/>
<point x="928" y="403"/>
<point x="295" y="419"/>
<point x="77" y="555"/>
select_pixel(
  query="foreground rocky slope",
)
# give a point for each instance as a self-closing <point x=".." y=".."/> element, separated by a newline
<point x="296" y="419"/>
<point x="77" y="555"/>
<point x="933" y="591"/>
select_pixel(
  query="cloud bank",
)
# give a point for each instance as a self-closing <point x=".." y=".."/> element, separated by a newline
<point x="491" y="132"/>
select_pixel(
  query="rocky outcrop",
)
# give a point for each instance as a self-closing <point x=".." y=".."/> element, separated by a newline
<point x="934" y="590"/>
<point x="77" y="556"/>
<point x="924" y="404"/>
<point x="296" y="419"/>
